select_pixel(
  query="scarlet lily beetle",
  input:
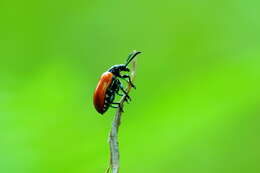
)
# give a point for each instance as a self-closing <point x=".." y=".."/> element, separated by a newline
<point x="109" y="85"/>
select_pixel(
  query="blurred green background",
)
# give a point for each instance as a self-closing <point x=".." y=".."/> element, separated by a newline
<point x="196" y="108"/>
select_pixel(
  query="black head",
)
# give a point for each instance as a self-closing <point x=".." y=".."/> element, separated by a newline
<point x="116" y="69"/>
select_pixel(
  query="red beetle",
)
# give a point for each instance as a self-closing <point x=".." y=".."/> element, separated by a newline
<point x="109" y="85"/>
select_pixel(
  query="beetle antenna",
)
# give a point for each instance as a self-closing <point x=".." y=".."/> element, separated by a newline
<point x="131" y="57"/>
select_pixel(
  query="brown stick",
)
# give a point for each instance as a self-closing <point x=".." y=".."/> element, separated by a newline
<point x="113" y="137"/>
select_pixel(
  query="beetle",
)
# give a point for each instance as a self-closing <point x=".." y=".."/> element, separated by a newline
<point x="109" y="86"/>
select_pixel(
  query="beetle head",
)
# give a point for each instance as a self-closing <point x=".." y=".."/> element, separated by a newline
<point x="116" y="69"/>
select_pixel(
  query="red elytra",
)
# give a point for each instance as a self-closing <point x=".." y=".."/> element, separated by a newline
<point x="100" y="92"/>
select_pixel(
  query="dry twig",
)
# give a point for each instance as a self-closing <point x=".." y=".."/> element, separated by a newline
<point x="113" y="137"/>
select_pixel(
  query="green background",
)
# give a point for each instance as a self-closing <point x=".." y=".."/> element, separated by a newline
<point x="196" y="108"/>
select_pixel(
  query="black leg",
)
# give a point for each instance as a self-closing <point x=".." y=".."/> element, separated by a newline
<point x="129" y="80"/>
<point x="122" y="89"/>
<point x="117" y="92"/>
<point x="115" y="103"/>
<point x="118" y="106"/>
<point x="114" y="106"/>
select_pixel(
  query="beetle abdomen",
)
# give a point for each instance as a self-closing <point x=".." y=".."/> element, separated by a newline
<point x="100" y="92"/>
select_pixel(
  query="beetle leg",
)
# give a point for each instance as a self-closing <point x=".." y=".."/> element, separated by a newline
<point x="118" y="106"/>
<point x="129" y="80"/>
<point x="127" y="100"/>
<point x="119" y="93"/>
<point x="122" y="89"/>
<point x="114" y="106"/>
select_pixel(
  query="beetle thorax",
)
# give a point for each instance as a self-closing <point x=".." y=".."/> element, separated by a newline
<point x="116" y="69"/>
